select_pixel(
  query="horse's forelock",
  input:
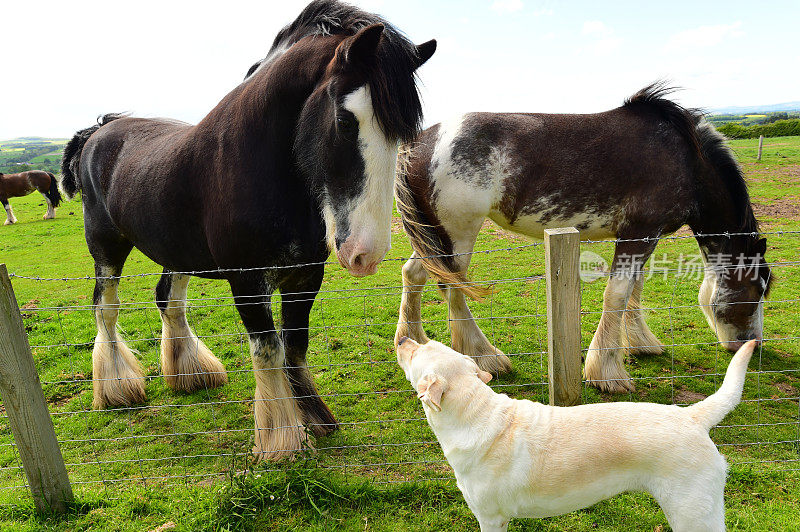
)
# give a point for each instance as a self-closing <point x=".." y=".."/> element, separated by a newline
<point x="393" y="86"/>
<point x="392" y="83"/>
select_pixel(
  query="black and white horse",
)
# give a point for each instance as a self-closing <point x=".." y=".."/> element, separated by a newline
<point x="636" y="172"/>
<point x="299" y="157"/>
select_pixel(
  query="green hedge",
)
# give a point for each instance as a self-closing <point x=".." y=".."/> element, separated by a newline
<point x="781" y="128"/>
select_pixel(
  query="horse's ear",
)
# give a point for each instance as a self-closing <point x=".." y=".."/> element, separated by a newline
<point x="425" y="51"/>
<point x="761" y="247"/>
<point x="361" y="47"/>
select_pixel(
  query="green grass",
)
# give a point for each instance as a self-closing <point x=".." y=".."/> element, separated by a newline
<point x="14" y="149"/>
<point x="383" y="469"/>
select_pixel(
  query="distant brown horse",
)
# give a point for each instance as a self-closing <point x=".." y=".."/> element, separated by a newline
<point x="22" y="184"/>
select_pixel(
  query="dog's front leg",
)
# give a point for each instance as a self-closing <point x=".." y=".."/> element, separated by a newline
<point x="492" y="524"/>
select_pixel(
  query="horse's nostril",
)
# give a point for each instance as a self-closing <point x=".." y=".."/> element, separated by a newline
<point x="359" y="260"/>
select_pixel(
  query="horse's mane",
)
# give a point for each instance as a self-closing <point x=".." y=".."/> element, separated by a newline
<point x="654" y="98"/>
<point x="393" y="87"/>
<point x="711" y="147"/>
<point x="708" y="144"/>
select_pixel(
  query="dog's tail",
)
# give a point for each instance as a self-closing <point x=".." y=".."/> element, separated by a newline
<point x="709" y="412"/>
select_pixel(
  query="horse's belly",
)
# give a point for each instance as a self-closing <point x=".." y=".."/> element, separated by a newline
<point x="591" y="225"/>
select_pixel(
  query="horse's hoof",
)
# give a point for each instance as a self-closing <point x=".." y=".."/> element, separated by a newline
<point x="495" y="363"/>
<point x="9" y="222"/>
<point x="613" y="385"/>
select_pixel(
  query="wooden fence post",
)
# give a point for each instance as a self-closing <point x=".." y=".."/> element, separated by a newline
<point x="27" y="410"/>
<point x="760" y="145"/>
<point x="562" y="268"/>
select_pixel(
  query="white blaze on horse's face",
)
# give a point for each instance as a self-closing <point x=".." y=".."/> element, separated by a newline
<point x="369" y="214"/>
<point x="720" y="303"/>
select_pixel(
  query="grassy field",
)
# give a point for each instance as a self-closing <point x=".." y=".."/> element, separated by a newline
<point x="175" y="459"/>
<point x="49" y="158"/>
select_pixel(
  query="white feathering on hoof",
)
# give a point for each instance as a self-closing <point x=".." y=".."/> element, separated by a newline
<point x="279" y="431"/>
<point x="187" y="363"/>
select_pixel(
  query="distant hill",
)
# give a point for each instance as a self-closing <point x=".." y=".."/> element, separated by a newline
<point x="31" y="153"/>
<point x="750" y="109"/>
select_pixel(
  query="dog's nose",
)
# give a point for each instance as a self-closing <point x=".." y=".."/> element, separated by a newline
<point x="402" y="339"/>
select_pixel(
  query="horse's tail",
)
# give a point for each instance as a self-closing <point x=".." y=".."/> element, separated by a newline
<point x="427" y="236"/>
<point x="70" y="162"/>
<point x="52" y="193"/>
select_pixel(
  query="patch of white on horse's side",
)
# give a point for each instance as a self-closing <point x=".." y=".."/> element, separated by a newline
<point x="463" y="198"/>
<point x="369" y="217"/>
<point x="592" y="225"/>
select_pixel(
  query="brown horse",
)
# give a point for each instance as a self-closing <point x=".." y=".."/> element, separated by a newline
<point x="22" y="184"/>
<point x="299" y="157"/>
<point x="635" y="173"/>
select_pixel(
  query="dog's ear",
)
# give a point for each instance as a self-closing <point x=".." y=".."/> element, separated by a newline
<point x="430" y="388"/>
<point x="485" y="376"/>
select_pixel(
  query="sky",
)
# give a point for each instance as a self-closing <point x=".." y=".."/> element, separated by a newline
<point x="64" y="63"/>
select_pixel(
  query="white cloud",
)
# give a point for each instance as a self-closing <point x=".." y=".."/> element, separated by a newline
<point x="702" y="37"/>
<point x="507" y="6"/>
<point x="596" y="28"/>
<point x="603" y="39"/>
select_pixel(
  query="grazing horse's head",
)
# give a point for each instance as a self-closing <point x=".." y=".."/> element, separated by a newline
<point x="733" y="291"/>
<point x="347" y="138"/>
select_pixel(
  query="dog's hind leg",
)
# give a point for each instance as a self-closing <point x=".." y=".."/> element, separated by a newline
<point x="186" y="362"/>
<point x="636" y="335"/>
<point x="410" y="322"/>
<point x="694" y="500"/>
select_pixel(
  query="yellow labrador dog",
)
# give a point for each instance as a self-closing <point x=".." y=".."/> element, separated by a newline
<point x="517" y="458"/>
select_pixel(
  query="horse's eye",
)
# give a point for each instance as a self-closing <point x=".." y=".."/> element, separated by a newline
<point x="346" y="125"/>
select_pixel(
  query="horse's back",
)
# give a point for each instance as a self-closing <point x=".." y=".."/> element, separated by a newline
<point x="530" y="171"/>
<point x="23" y="183"/>
<point x="128" y="170"/>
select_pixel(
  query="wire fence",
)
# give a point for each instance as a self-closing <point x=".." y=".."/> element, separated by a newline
<point x="201" y="437"/>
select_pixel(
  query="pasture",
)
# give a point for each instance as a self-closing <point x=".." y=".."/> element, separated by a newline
<point x="180" y="458"/>
<point x="33" y="152"/>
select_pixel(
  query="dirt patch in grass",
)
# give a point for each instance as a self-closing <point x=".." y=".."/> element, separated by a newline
<point x="783" y="175"/>
<point x="684" y="396"/>
<point x="786" y="389"/>
<point x="397" y="225"/>
<point x="786" y="207"/>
